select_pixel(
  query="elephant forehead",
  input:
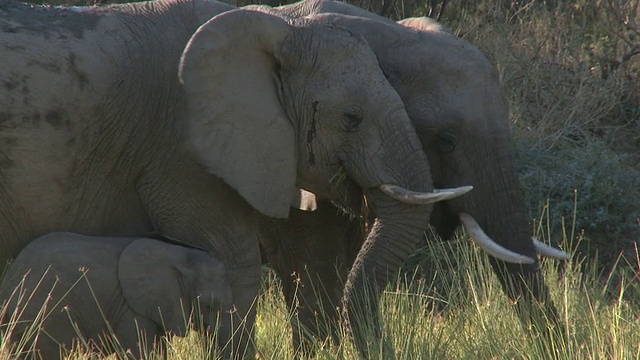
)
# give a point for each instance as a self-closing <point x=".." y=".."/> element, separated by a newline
<point x="329" y="39"/>
<point x="428" y="56"/>
<point x="349" y="48"/>
<point x="485" y="109"/>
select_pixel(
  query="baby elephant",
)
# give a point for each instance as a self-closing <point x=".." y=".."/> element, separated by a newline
<point x="98" y="286"/>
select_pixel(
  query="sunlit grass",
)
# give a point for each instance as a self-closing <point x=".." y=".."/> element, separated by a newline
<point x="458" y="313"/>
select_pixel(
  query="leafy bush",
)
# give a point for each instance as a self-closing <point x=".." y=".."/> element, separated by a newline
<point x="607" y="186"/>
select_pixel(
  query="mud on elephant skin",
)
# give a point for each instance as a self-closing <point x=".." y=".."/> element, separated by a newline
<point x="100" y="286"/>
<point x="453" y="97"/>
<point x="188" y="118"/>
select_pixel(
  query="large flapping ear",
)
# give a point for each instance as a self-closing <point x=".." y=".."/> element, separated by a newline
<point x="236" y="123"/>
<point x="150" y="282"/>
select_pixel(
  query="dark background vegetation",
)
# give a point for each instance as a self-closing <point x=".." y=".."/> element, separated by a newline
<point x="571" y="73"/>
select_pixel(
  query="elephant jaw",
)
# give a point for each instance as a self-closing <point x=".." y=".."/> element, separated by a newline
<point x="494" y="249"/>
<point x="417" y="198"/>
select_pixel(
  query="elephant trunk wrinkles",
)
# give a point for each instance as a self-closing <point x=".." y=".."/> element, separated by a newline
<point x="396" y="233"/>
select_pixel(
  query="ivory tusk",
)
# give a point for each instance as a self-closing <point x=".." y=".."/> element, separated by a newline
<point x="413" y="197"/>
<point x="490" y="246"/>
<point x="304" y="200"/>
<point x="549" y="251"/>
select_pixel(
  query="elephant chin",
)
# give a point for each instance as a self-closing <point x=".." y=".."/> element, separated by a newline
<point x="349" y="194"/>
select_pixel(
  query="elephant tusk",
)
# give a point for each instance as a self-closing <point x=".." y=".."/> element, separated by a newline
<point x="549" y="251"/>
<point x="304" y="200"/>
<point x="490" y="246"/>
<point x="413" y="197"/>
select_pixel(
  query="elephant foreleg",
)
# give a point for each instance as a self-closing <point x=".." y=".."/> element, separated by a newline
<point x="205" y="212"/>
<point x="312" y="253"/>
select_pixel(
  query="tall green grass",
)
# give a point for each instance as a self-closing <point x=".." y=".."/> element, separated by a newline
<point x="458" y="311"/>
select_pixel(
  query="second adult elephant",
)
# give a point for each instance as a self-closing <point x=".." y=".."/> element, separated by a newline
<point x="453" y="97"/>
<point x="165" y="116"/>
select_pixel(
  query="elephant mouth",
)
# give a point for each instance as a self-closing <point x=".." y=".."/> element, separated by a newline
<point x="498" y="251"/>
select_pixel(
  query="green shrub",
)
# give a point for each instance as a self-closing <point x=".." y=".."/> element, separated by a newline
<point x="607" y="186"/>
<point x="571" y="75"/>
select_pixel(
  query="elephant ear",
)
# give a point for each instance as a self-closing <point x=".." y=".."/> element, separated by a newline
<point x="236" y="123"/>
<point x="151" y="283"/>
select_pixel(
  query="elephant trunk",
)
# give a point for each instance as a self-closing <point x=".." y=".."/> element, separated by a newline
<point x="506" y="221"/>
<point x="396" y="233"/>
<point x="524" y="283"/>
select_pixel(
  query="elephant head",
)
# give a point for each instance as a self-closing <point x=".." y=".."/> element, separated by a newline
<point x="167" y="283"/>
<point x="265" y="96"/>
<point x="263" y="90"/>
<point x="452" y="95"/>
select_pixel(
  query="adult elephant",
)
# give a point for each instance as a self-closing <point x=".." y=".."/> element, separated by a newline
<point x="163" y="116"/>
<point x="453" y="97"/>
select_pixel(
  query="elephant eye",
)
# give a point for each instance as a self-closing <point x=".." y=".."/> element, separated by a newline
<point x="352" y="119"/>
<point x="446" y="141"/>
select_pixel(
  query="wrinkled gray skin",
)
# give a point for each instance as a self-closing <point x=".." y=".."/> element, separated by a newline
<point x="124" y="119"/>
<point x="453" y="97"/>
<point x="99" y="286"/>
